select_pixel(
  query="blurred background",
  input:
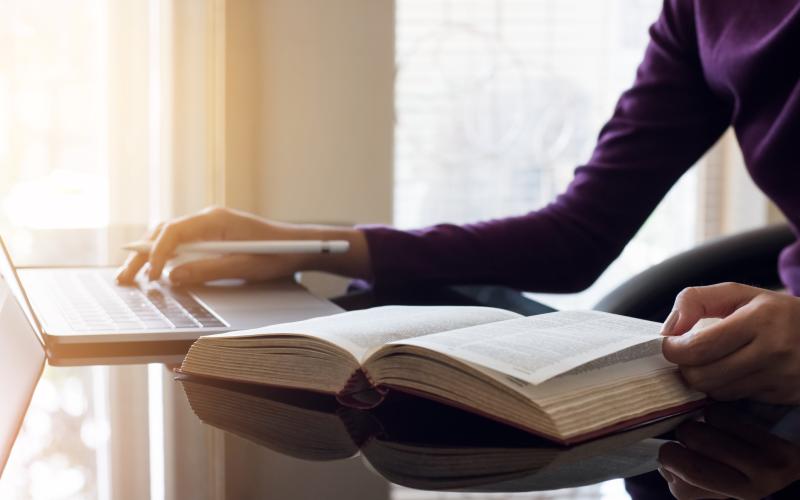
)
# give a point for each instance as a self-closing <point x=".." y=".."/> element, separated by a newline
<point x="115" y="114"/>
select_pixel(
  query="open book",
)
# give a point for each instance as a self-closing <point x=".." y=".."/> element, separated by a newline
<point x="419" y="443"/>
<point x="567" y="376"/>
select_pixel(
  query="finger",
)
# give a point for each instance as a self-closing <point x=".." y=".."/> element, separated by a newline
<point x="745" y="387"/>
<point x="721" y="446"/>
<point x="740" y="364"/>
<point x="765" y="449"/>
<point x="713" y="301"/>
<point x="701" y="472"/>
<point x="130" y="267"/>
<point x="712" y="343"/>
<point x="179" y="231"/>
<point x="734" y="419"/>
<point x="779" y="394"/>
<point x="135" y="260"/>
<point x="248" y="267"/>
<point x="682" y="490"/>
<point x="728" y="418"/>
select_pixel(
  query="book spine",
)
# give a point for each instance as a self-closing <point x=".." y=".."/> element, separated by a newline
<point x="361" y="425"/>
<point x="359" y="392"/>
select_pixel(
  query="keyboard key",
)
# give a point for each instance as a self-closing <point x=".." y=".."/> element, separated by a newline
<point x="89" y="302"/>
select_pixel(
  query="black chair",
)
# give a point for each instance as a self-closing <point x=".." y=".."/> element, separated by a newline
<point x="749" y="257"/>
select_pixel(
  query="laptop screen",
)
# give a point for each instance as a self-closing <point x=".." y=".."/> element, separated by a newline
<point x="22" y="359"/>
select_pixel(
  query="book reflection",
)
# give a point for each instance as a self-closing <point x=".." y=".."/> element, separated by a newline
<point x="419" y="443"/>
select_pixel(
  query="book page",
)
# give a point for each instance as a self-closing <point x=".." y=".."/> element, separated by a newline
<point x="362" y="331"/>
<point x="537" y="348"/>
<point x="633" y="460"/>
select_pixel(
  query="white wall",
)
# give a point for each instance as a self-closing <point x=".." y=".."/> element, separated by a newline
<point x="310" y="109"/>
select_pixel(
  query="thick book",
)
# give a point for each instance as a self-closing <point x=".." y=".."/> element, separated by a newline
<point x="568" y="376"/>
<point x="417" y="442"/>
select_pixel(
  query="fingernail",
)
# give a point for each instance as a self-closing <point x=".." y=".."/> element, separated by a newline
<point x="669" y="323"/>
<point x="667" y="475"/>
<point x="179" y="275"/>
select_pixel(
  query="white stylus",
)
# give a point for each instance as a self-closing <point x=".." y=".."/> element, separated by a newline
<point x="252" y="247"/>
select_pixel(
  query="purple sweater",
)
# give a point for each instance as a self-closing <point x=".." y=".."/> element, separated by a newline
<point x="709" y="64"/>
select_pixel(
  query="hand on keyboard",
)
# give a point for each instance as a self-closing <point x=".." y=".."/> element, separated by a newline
<point x="225" y="224"/>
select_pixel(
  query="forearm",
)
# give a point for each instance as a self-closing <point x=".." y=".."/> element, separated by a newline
<point x="541" y="251"/>
<point x="355" y="263"/>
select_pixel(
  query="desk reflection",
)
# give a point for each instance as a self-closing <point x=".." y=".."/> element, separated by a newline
<point x="735" y="451"/>
<point x="741" y="450"/>
<point x="418" y="443"/>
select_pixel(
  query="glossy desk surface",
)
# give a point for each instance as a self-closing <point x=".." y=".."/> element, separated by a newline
<point x="221" y="441"/>
<point x="136" y="432"/>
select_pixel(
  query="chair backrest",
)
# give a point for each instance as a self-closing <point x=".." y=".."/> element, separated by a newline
<point x="750" y="257"/>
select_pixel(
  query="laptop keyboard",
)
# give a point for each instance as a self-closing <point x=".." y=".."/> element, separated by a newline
<point x="89" y="302"/>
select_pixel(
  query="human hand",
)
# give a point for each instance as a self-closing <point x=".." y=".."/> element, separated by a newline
<point x="753" y="352"/>
<point x="727" y="457"/>
<point x="227" y="224"/>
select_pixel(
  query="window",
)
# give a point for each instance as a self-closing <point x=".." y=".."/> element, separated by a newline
<point x="53" y="175"/>
<point x="54" y="120"/>
<point x="91" y="142"/>
<point x="497" y="101"/>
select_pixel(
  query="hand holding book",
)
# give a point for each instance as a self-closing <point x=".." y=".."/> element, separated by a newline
<point x="753" y="352"/>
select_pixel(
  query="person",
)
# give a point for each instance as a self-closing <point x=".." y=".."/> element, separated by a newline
<point x="709" y="65"/>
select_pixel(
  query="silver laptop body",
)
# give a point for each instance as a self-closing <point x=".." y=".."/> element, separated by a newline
<point x="82" y="313"/>
<point x="21" y="363"/>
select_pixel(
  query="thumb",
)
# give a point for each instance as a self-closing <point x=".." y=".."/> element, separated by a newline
<point x="238" y="266"/>
<point x="713" y="301"/>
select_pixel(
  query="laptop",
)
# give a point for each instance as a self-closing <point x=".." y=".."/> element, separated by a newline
<point x="22" y="359"/>
<point x="83" y="317"/>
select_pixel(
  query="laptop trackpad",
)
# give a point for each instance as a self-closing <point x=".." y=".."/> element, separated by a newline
<point x="246" y="306"/>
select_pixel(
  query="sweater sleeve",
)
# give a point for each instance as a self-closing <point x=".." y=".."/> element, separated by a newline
<point x="660" y="127"/>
